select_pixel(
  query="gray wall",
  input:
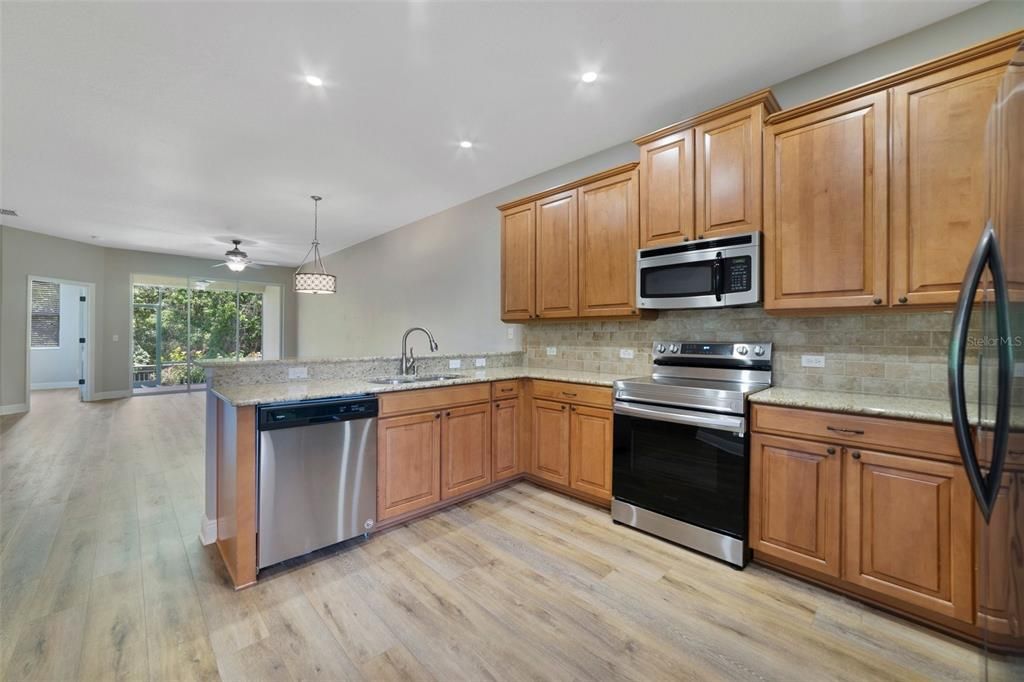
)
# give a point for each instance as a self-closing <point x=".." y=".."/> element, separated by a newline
<point x="23" y="254"/>
<point x="443" y="271"/>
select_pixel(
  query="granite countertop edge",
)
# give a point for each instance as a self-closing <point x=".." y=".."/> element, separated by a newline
<point x="228" y="364"/>
<point x="889" y="407"/>
<point x="259" y="394"/>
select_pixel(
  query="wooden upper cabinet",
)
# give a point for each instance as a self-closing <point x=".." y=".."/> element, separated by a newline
<point x="465" y="449"/>
<point x="795" y="489"/>
<point x="550" y="435"/>
<point x="408" y="463"/>
<point x="608" y="240"/>
<point x="728" y="175"/>
<point x="590" y="455"/>
<point x="666" y="189"/>
<point x="557" y="256"/>
<point x="825" y="197"/>
<point x="908" y="531"/>
<point x="518" y="272"/>
<point x="939" y="198"/>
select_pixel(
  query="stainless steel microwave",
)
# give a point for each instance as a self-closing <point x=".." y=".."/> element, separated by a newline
<point x="708" y="273"/>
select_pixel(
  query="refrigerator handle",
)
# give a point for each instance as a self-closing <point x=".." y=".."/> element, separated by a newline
<point x="986" y="488"/>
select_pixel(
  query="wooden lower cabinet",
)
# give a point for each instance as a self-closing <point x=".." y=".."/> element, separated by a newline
<point x="795" y="488"/>
<point x="590" y="451"/>
<point x="408" y="463"/>
<point x="908" y="530"/>
<point x="506" y="439"/>
<point x="1000" y="578"/>
<point x="465" y="449"/>
<point x="550" y="438"/>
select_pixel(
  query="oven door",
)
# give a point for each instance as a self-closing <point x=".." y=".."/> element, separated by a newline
<point x="698" y="279"/>
<point x="688" y="465"/>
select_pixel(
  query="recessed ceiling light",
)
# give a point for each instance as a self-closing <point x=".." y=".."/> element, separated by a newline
<point x="466" y="144"/>
<point x="589" y="77"/>
<point x="315" y="81"/>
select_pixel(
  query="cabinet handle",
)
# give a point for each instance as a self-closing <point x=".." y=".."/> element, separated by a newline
<point x="903" y="299"/>
<point x="855" y="454"/>
<point x="877" y="301"/>
<point x="830" y="451"/>
<point x="836" y="429"/>
<point x="566" y="393"/>
<point x="507" y="390"/>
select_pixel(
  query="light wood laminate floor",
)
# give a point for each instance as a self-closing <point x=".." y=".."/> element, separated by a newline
<point x="102" y="576"/>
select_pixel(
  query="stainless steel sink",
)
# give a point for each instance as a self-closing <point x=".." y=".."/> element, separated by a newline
<point x="413" y="378"/>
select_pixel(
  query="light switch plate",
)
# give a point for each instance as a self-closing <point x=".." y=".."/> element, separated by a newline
<point x="116" y="338"/>
<point x="480" y="362"/>
<point x="552" y="350"/>
<point x="511" y="331"/>
<point x="812" y="360"/>
<point x="298" y="372"/>
<point x="626" y="353"/>
<point x="454" y="364"/>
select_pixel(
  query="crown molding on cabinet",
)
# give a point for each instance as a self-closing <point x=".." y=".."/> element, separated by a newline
<point x="624" y="168"/>
<point x="765" y="97"/>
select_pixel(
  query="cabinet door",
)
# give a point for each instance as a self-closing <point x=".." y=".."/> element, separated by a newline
<point x="908" y="531"/>
<point x="590" y="461"/>
<point x="609" y="238"/>
<point x="557" y="256"/>
<point x="518" y="275"/>
<point x="666" y="190"/>
<point x="939" y="196"/>
<point x="465" y="449"/>
<point x="550" y="440"/>
<point x="1000" y="576"/>
<point x="825" y="222"/>
<point x="728" y="178"/>
<point x="794" y="501"/>
<point x="408" y="463"/>
<point x="506" y="439"/>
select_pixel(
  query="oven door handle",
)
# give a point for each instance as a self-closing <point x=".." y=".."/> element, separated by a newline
<point x="718" y="422"/>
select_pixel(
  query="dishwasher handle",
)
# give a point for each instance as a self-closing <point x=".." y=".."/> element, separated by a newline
<point x="311" y="412"/>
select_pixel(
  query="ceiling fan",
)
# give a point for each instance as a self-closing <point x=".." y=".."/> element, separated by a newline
<point x="235" y="259"/>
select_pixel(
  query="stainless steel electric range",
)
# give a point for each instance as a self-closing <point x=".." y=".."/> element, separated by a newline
<point x="681" y="460"/>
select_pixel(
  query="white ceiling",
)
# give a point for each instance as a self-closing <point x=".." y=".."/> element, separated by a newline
<point x="172" y="127"/>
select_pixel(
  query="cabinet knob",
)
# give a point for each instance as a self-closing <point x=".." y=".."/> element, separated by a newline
<point x="855" y="454"/>
<point x="830" y="451"/>
<point x="903" y="299"/>
<point x="563" y="407"/>
<point x="573" y="408"/>
<point x="448" y="414"/>
<point x="437" y="416"/>
<point x="878" y="301"/>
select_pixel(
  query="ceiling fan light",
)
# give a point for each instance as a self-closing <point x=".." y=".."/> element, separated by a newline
<point x="236" y="265"/>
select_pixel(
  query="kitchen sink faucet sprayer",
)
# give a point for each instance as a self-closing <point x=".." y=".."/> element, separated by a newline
<point x="408" y="360"/>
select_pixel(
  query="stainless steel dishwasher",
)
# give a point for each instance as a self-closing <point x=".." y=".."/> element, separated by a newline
<point x="317" y="475"/>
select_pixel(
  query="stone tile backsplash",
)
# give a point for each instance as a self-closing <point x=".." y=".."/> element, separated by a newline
<point x="893" y="354"/>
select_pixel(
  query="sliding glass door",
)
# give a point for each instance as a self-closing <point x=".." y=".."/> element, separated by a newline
<point x="178" y="322"/>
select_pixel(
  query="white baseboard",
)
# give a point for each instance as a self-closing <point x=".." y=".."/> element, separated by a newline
<point x="13" y="409"/>
<point x="208" y="531"/>
<point x="46" y="386"/>
<point x="112" y="395"/>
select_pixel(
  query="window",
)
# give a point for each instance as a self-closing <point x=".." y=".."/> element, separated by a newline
<point x="45" y="315"/>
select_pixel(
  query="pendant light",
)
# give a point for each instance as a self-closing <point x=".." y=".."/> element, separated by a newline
<point x="317" y="281"/>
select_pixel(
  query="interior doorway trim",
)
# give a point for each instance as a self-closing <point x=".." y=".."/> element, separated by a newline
<point x="90" y="335"/>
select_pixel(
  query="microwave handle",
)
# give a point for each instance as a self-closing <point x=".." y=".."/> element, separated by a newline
<point x="716" y="277"/>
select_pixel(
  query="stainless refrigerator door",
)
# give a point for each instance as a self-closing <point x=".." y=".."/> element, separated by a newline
<point x="317" y="486"/>
<point x="987" y="387"/>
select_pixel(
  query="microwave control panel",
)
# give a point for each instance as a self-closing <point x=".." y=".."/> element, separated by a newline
<point x="737" y="274"/>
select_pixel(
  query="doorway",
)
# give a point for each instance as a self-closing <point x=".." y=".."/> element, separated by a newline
<point x="59" y="339"/>
<point x="178" y="322"/>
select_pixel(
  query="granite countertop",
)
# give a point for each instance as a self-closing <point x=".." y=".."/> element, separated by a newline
<point x="223" y="363"/>
<point x="255" y="394"/>
<point x="892" y="407"/>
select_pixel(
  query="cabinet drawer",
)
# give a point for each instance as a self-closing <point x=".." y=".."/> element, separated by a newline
<point x="932" y="440"/>
<point x="505" y="389"/>
<point x="573" y="393"/>
<point x="401" y="402"/>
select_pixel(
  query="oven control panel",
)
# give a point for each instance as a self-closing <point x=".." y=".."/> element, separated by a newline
<point x="736" y="351"/>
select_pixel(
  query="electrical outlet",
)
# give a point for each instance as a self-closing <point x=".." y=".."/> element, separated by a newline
<point x="626" y="353"/>
<point x="552" y="350"/>
<point x="454" y="364"/>
<point x="812" y="360"/>
<point x="298" y="372"/>
<point x="480" y="362"/>
<point x="511" y="331"/>
<point x="116" y="338"/>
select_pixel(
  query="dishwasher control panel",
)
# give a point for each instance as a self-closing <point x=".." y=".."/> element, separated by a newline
<point x="310" y="412"/>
